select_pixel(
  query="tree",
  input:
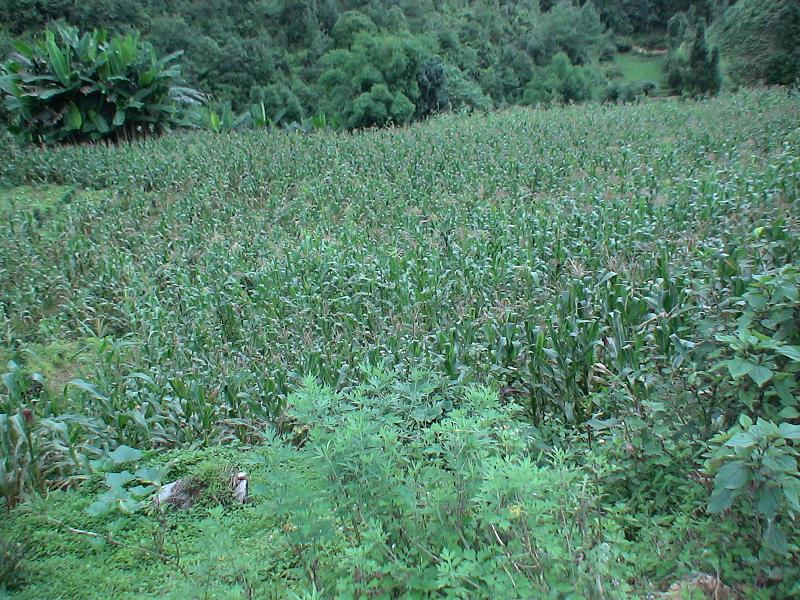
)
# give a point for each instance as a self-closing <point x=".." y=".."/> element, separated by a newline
<point x="375" y="81"/>
<point x="349" y="26"/>
<point x="576" y="31"/>
<point x="242" y="63"/>
<point x="703" y="74"/>
<point x="676" y="29"/>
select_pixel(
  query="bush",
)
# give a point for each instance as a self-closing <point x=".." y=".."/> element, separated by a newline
<point x="561" y="81"/>
<point x="68" y="88"/>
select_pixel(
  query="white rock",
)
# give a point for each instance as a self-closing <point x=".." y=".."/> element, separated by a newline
<point x="239" y="484"/>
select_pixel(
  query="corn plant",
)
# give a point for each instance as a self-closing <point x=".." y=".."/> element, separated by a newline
<point x="220" y="271"/>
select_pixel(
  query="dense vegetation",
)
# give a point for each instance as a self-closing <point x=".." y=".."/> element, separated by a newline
<point x="518" y="354"/>
<point x="74" y="88"/>
<point x="760" y="42"/>
<point x="526" y="354"/>
<point x="373" y="62"/>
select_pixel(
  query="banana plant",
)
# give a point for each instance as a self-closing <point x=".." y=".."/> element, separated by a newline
<point x="68" y="87"/>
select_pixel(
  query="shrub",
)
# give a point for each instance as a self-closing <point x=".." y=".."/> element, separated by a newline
<point x="755" y="467"/>
<point x="68" y="88"/>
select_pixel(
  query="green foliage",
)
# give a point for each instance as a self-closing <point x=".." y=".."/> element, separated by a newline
<point x="279" y="51"/>
<point x="280" y="104"/>
<point x="561" y="81"/>
<point x="70" y="88"/>
<point x="12" y="555"/>
<point x="620" y="91"/>
<point x="458" y="92"/>
<point x="759" y="42"/>
<point x="703" y="75"/>
<point x="435" y="494"/>
<point x="755" y="467"/>
<point x="41" y="444"/>
<point x="127" y="491"/>
<point x="426" y="345"/>
<point x="693" y="67"/>
<point x="374" y="82"/>
<point x="765" y="350"/>
<point x="478" y="55"/>
<point x="643" y="16"/>
<point x="577" y="32"/>
<point x="349" y="26"/>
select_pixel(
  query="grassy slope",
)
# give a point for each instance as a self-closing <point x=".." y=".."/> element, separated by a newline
<point x="60" y="564"/>
<point x="640" y="67"/>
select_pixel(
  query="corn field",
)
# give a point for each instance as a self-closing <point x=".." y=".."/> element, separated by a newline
<point x="586" y="264"/>
<point x="526" y="249"/>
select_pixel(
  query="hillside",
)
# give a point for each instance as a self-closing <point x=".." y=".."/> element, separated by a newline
<point x="368" y="62"/>
<point x="524" y="354"/>
<point x="759" y="42"/>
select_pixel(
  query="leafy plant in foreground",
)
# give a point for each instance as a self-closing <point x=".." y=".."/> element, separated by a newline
<point x="755" y="469"/>
<point x="39" y="446"/>
<point x="765" y="349"/>
<point x="122" y="494"/>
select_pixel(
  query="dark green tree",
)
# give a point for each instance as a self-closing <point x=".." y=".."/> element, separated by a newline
<point x="374" y="82"/>
<point x="349" y="26"/>
<point x="703" y="75"/>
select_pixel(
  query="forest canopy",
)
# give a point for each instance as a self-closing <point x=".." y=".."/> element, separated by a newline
<point x="373" y="62"/>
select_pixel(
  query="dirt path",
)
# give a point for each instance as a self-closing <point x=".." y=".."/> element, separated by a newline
<point x="648" y="51"/>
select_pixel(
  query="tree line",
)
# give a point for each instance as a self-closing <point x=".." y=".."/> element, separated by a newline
<point x="372" y="62"/>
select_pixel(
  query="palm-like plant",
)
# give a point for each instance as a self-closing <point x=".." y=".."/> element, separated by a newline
<point x="67" y="88"/>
